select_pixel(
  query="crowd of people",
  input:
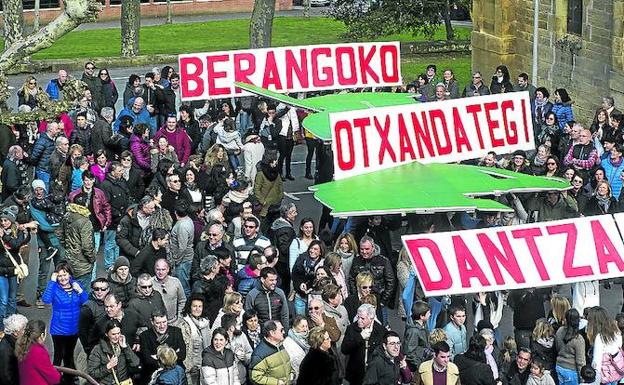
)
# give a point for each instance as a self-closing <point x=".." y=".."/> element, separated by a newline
<point x="208" y="276"/>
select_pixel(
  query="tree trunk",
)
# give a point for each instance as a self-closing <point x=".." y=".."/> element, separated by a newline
<point x="75" y="13"/>
<point x="450" y="34"/>
<point x="169" y="13"/>
<point x="37" y="15"/>
<point x="261" y="24"/>
<point x="13" y="21"/>
<point x="130" y="27"/>
<point x="306" y="8"/>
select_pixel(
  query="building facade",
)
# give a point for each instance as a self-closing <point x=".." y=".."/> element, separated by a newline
<point x="580" y="46"/>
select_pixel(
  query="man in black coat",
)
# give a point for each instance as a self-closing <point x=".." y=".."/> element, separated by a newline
<point x="361" y="339"/>
<point x="102" y="133"/>
<point x="129" y="319"/>
<point x="150" y="253"/>
<point x="150" y="340"/>
<point x="14" y="326"/>
<point x="91" y="312"/>
<point x="519" y="370"/>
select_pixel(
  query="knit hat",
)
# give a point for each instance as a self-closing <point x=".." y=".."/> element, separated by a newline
<point x="39" y="183"/>
<point x="121" y="261"/>
<point x="521" y="153"/>
<point x="9" y="213"/>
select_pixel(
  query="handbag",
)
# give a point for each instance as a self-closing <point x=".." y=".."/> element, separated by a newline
<point x="22" y="268"/>
<point x="612" y="367"/>
<point x="124" y="382"/>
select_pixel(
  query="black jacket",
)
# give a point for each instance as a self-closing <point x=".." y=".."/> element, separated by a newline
<point x="383" y="276"/>
<point x="144" y="306"/>
<point x="282" y="235"/>
<point x="129" y="234"/>
<point x="203" y="250"/>
<point x="101" y="138"/>
<point x="149" y="347"/>
<point x="136" y="184"/>
<point x="124" y="291"/>
<point x="130" y="323"/>
<point x="318" y="368"/>
<point x="213" y="291"/>
<point x="472" y="372"/>
<point x="82" y="136"/>
<point x="9" y="373"/>
<point x="358" y="351"/>
<point x="91" y="312"/>
<point x="117" y="193"/>
<point x="513" y="376"/>
<point x="382" y="370"/>
<point x="144" y="261"/>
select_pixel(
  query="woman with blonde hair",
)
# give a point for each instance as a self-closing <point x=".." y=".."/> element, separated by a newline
<point x="347" y="248"/>
<point x="319" y="366"/>
<point x="232" y="303"/>
<point x="364" y="286"/>
<point x="602" y="202"/>
<point x="33" y="359"/>
<point x="215" y="155"/>
<point x="333" y="261"/>
<point x="559" y="305"/>
<point x="169" y="373"/>
<point x="27" y="94"/>
<point x="543" y="344"/>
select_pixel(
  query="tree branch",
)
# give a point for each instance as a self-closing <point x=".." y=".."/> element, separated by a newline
<point x="76" y="12"/>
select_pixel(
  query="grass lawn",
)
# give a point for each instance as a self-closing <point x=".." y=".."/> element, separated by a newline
<point x="208" y="36"/>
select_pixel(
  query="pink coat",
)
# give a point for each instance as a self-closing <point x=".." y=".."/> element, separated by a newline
<point x="68" y="125"/>
<point x="37" y="369"/>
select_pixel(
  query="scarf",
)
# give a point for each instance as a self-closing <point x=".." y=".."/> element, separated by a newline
<point x="490" y="360"/>
<point x="161" y="338"/>
<point x="604" y="202"/>
<point x="539" y="162"/>
<point x="116" y="349"/>
<point x="191" y="185"/>
<point x="254" y="336"/>
<point x="546" y="342"/>
<point x="271" y="173"/>
<point x="300" y="338"/>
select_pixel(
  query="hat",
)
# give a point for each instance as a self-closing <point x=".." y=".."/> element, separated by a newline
<point x="9" y="213"/>
<point x="121" y="261"/>
<point x="484" y="324"/>
<point x="38" y="183"/>
<point x="521" y="153"/>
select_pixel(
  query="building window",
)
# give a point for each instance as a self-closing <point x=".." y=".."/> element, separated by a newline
<point x="43" y="4"/>
<point x="575" y="17"/>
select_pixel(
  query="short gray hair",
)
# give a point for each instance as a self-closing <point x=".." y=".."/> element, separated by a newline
<point x="107" y="113"/>
<point x="208" y="263"/>
<point x="144" y="278"/>
<point x="60" y="140"/>
<point x="367" y="238"/>
<point x="367" y="309"/>
<point x="285" y="207"/>
<point x="14" y="323"/>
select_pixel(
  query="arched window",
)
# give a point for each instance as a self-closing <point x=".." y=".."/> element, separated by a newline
<point x="575" y="17"/>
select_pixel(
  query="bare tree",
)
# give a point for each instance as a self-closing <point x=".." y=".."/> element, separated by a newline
<point x="37" y="16"/>
<point x="13" y="19"/>
<point x="261" y="24"/>
<point x="130" y="27"/>
<point x="169" y="13"/>
<point x="75" y="13"/>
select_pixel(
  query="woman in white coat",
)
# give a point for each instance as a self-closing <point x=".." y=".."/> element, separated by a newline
<point x="296" y="344"/>
<point x="239" y="344"/>
<point x="218" y="362"/>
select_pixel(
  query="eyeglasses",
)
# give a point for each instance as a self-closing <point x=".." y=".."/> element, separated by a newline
<point x="32" y="83"/>
<point x="90" y="67"/>
<point x="314" y="308"/>
<point x="213" y="234"/>
<point x="104" y="73"/>
<point x="126" y="159"/>
<point x="175" y="181"/>
<point x="577" y="181"/>
<point x="145" y="286"/>
<point x="476" y="77"/>
<point x="100" y="288"/>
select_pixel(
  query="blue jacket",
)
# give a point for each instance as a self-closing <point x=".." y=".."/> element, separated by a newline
<point x="246" y="280"/>
<point x="53" y="89"/>
<point x="175" y="376"/>
<point x="456" y="338"/>
<point x="563" y="112"/>
<point x="142" y="117"/>
<point x="41" y="152"/>
<point x="612" y="174"/>
<point x="65" y="308"/>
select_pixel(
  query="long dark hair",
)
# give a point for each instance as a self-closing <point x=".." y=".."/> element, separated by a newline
<point x="572" y="318"/>
<point x="476" y="349"/>
<point x="34" y="329"/>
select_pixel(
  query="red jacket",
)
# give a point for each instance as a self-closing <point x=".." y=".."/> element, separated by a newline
<point x="36" y="368"/>
<point x="101" y="206"/>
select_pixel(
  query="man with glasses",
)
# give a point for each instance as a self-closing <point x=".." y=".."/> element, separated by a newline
<point x="386" y="368"/>
<point x="92" y="312"/>
<point x="59" y="156"/>
<point x="235" y="227"/>
<point x="476" y="88"/>
<point x="88" y="76"/>
<point x="519" y="370"/>
<point x="316" y="313"/>
<point x="174" y="194"/>
<point x="270" y="362"/>
<point x="146" y="299"/>
<point x="554" y="205"/>
<point x="132" y="226"/>
<point x="214" y="245"/>
<point x="251" y="240"/>
<point x="131" y="322"/>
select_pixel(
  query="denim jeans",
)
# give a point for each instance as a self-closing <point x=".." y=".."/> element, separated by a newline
<point x="8" y="297"/>
<point x="111" y="250"/>
<point x="85" y="281"/>
<point x="97" y="237"/>
<point x="566" y="376"/>
<point x="44" y="266"/>
<point x="183" y="273"/>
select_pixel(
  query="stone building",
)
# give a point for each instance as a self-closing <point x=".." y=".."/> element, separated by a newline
<point x="580" y="46"/>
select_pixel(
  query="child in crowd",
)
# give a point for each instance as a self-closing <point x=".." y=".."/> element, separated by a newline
<point x="53" y="205"/>
<point x="588" y="375"/>
<point x="539" y="375"/>
<point x="81" y="164"/>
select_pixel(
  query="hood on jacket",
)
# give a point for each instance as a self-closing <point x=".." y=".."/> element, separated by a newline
<point x="280" y="223"/>
<point x="74" y="208"/>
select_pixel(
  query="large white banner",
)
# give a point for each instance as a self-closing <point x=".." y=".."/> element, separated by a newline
<point x="293" y="69"/>
<point x="439" y="132"/>
<point x="515" y="257"/>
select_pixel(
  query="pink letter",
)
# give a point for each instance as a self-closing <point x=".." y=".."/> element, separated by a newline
<point x="605" y="251"/>
<point x="445" y="281"/>
<point x="529" y="237"/>
<point x="506" y="259"/>
<point x="467" y="264"/>
<point x="568" y="257"/>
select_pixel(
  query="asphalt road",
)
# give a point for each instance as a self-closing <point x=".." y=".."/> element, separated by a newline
<point x="307" y="206"/>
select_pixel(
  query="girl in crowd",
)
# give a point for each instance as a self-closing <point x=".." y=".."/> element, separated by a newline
<point x="604" y="335"/>
<point x="112" y="361"/>
<point x="570" y="347"/>
<point x="218" y="362"/>
<point x="347" y="248"/>
<point x="33" y="358"/>
<point x="251" y="327"/>
<point x="303" y="274"/>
